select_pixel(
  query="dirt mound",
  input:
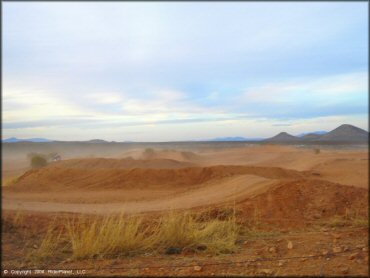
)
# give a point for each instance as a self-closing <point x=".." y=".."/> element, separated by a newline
<point x="125" y="163"/>
<point x="294" y="201"/>
<point x="55" y="177"/>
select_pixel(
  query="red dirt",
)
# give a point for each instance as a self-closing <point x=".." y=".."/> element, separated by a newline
<point x="281" y="188"/>
<point x="55" y="177"/>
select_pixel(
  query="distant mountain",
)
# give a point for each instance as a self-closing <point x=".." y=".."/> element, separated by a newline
<point x="310" y="137"/>
<point x="319" y="132"/>
<point x="14" y="140"/>
<point x="343" y="133"/>
<point x="283" y="137"/>
<point x="235" y="139"/>
<point x="96" y="141"/>
<point x="346" y="133"/>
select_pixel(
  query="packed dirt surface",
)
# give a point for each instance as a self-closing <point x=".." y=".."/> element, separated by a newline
<point x="278" y="188"/>
<point x="229" y="189"/>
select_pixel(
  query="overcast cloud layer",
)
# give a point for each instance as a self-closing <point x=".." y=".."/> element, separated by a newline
<point x="182" y="71"/>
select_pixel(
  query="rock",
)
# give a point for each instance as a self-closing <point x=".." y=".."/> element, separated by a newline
<point x="290" y="245"/>
<point x="358" y="261"/>
<point x="303" y="259"/>
<point x="324" y="229"/>
<point x="345" y="248"/>
<point x="337" y="249"/>
<point x="272" y="250"/>
<point x="328" y="259"/>
<point x="344" y="269"/>
<point x="353" y="256"/>
<point x="266" y="271"/>
<point x="365" y="249"/>
<point x="173" y="250"/>
<point x="245" y="242"/>
<point x="35" y="246"/>
<point x="325" y="252"/>
<point x="197" y="268"/>
<point x="317" y="216"/>
<point x="281" y="263"/>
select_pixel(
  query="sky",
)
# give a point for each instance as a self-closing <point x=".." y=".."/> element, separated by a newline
<point x="161" y="71"/>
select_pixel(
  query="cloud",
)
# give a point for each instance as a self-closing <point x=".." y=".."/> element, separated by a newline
<point x="281" y="124"/>
<point x="325" y="96"/>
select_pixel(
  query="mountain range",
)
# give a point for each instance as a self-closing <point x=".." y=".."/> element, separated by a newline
<point x="14" y="140"/>
<point x="343" y="133"/>
<point x="235" y="139"/>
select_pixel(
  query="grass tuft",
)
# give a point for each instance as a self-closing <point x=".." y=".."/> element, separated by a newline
<point x="112" y="235"/>
<point x="130" y="235"/>
<point x="191" y="232"/>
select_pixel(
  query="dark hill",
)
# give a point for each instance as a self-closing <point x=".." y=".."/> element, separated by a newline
<point x="346" y="133"/>
<point x="283" y="137"/>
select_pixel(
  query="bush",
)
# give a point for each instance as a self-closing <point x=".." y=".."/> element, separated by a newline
<point x="38" y="161"/>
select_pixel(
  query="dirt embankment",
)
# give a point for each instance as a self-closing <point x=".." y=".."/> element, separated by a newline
<point x="124" y="163"/>
<point x="294" y="201"/>
<point x="55" y="177"/>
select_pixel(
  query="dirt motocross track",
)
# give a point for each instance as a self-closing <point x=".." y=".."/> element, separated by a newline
<point x="100" y="185"/>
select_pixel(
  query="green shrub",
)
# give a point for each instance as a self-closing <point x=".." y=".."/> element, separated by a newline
<point x="38" y="161"/>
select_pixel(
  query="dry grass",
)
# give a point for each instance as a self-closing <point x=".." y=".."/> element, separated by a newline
<point x="121" y="235"/>
<point x="10" y="181"/>
<point x="350" y="218"/>
<point x="192" y="232"/>
<point x="50" y="243"/>
<point x="18" y="219"/>
<point x="112" y="235"/>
